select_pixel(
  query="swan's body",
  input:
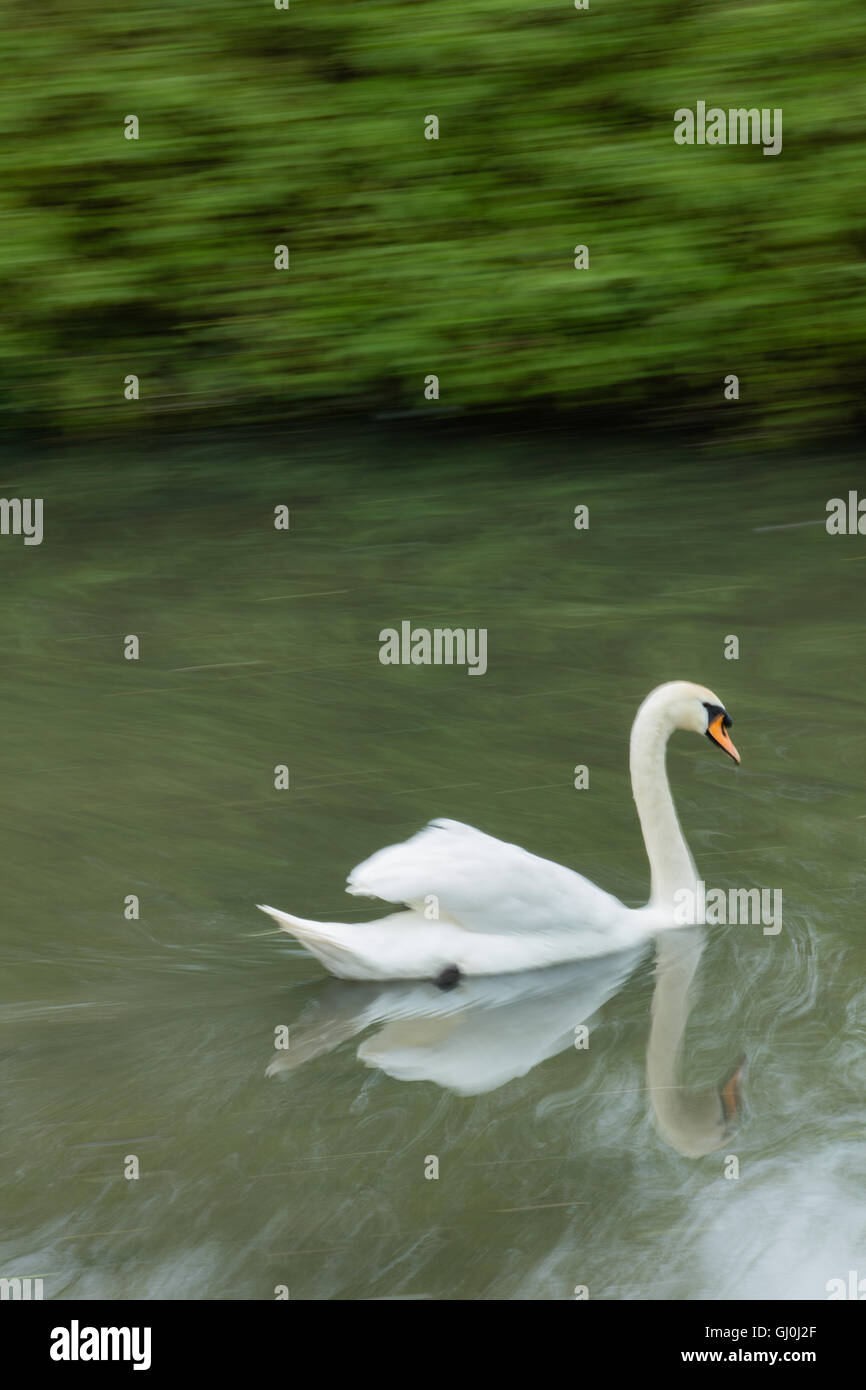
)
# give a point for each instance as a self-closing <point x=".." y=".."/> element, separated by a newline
<point x="482" y="907"/>
<point x="500" y="909"/>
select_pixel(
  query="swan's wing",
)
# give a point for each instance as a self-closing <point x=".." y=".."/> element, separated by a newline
<point x="482" y="883"/>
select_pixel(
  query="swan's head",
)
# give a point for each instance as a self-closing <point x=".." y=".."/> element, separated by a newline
<point x="684" y="705"/>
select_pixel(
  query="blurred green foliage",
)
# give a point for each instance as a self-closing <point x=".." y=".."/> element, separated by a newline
<point x="408" y="256"/>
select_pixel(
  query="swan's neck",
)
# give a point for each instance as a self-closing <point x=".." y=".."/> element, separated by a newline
<point x="671" y="864"/>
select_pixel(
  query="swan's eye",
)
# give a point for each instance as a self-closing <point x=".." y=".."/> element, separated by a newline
<point x="713" y="711"/>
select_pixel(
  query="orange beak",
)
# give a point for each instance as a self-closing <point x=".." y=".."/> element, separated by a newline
<point x="719" y="734"/>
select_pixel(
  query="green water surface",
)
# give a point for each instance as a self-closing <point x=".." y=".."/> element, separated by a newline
<point x="259" y="647"/>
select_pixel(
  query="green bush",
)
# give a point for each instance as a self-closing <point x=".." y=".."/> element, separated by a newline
<point x="409" y="256"/>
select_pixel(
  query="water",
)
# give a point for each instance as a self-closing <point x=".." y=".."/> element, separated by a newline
<point x="558" y="1164"/>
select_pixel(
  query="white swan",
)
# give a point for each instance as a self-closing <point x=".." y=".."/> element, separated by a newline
<point x="501" y="909"/>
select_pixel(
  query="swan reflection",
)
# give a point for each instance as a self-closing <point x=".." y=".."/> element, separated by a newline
<point x="474" y="1038"/>
<point x="692" y="1122"/>
<point x="491" y="1029"/>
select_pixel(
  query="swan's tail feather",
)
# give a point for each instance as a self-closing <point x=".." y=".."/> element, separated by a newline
<point x="354" y="951"/>
<point x="297" y="926"/>
<point x="325" y="940"/>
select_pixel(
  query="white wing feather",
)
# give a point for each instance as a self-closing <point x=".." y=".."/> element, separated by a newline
<point x="483" y="884"/>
